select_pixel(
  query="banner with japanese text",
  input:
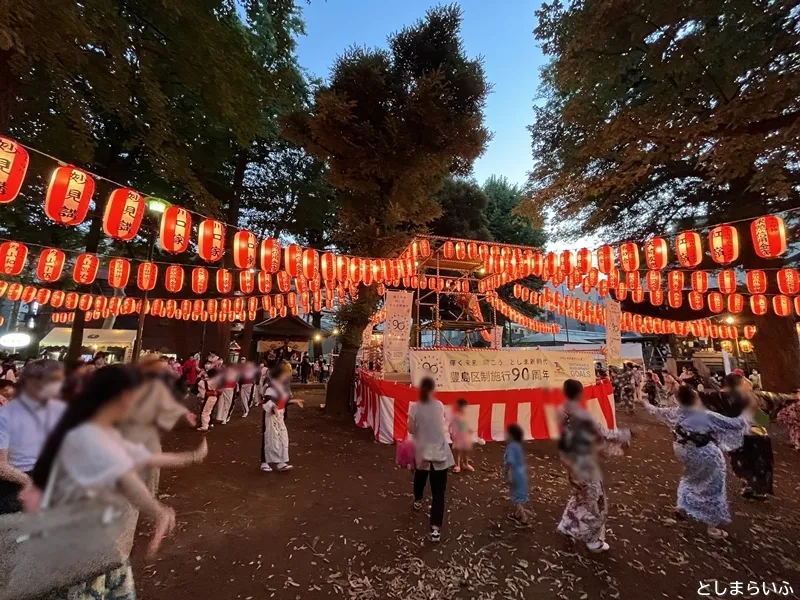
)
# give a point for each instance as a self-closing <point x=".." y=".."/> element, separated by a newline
<point x="396" y="331"/>
<point x="613" y="333"/>
<point x="497" y="337"/>
<point x="472" y="370"/>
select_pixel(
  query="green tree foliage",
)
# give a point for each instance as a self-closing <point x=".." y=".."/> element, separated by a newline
<point x="391" y="124"/>
<point x="463" y="204"/>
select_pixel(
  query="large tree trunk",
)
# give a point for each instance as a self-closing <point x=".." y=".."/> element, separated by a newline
<point x="778" y="349"/>
<point x="92" y="243"/>
<point x="316" y="321"/>
<point x="247" y="337"/>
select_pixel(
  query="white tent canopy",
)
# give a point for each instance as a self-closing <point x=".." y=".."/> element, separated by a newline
<point x="59" y="336"/>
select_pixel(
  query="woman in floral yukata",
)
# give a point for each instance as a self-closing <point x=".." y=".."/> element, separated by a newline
<point x="582" y="440"/>
<point x="701" y="437"/>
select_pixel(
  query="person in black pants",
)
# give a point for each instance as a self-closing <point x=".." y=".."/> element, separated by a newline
<point x="426" y="422"/>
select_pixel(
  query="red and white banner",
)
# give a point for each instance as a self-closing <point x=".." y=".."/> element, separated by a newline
<point x="383" y="407"/>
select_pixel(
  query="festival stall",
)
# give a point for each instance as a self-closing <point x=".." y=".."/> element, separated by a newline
<point x="500" y="387"/>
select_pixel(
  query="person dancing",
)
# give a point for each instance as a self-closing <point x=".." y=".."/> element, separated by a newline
<point x="274" y="435"/>
<point x="582" y="438"/>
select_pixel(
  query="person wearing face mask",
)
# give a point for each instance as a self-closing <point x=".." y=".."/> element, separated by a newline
<point x="25" y="423"/>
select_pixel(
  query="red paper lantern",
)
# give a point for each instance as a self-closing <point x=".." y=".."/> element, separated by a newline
<point x="264" y="282"/>
<point x="567" y="261"/>
<point x="224" y="281"/>
<point x="735" y="303"/>
<point x="199" y="280"/>
<point x="726" y="281"/>
<point x="689" y="249"/>
<point x="51" y="264"/>
<point x="367" y="274"/>
<point x="472" y="251"/>
<point x="210" y="240"/>
<point x="782" y="305"/>
<point x="584" y="261"/>
<point x="3" y="287"/>
<point x="629" y="256"/>
<point x="789" y="281"/>
<point x="28" y="294"/>
<point x="119" y="271"/>
<point x="57" y="299"/>
<point x="343" y="268"/>
<point x="769" y="236"/>
<point x="758" y="304"/>
<point x="797" y="305"/>
<point x="653" y="280"/>
<point x="723" y="241"/>
<point x="146" y="276"/>
<point x="278" y="301"/>
<point x="675" y="281"/>
<point x="632" y="280"/>
<point x="123" y="214"/>
<point x="212" y="306"/>
<point x="100" y="303"/>
<point x="244" y="250"/>
<point x="716" y="302"/>
<point x="605" y="259"/>
<point x="424" y="248"/>
<point x="247" y="282"/>
<point x="176" y="227"/>
<point x="85" y="302"/>
<point x="270" y="255"/>
<point x="749" y="331"/>
<point x="695" y="300"/>
<point x="448" y="249"/>
<point x="622" y="291"/>
<point x="656" y="297"/>
<point x="700" y="281"/>
<point x="327" y="266"/>
<point x="756" y="282"/>
<point x="173" y="279"/>
<point x="602" y="288"/>
<point x="12" y="257"/>
<point x="13" y="166"/>
<point x="284" y="281"/>
<point x="537" y="264"/>
<point x="85" y="270"/>
<point x="68" y="196"/>
<point x="637" y="295"/>
<point x="461" y="250"/>
<point x="128" y="306"/>
<point x="551" y="263"/>
<point x="14" y="292"/>
<point x="656" y="253"/>
<point x="310" y="264"/>
<point x="292" y="260"/>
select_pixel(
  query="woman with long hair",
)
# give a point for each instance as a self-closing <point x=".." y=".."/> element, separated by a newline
<point x="86" y="456"/>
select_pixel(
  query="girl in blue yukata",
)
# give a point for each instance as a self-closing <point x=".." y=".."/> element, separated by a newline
<point x="515" y="472"/>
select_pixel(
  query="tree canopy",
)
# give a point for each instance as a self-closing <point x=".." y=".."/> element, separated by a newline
<point x="463" y="204"/>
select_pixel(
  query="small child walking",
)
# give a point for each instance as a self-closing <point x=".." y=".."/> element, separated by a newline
<point x="462" y="436"/>
<point x="516" y="472"/>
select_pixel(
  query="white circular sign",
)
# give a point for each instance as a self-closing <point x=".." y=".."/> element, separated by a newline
<point x="15" y="340"/>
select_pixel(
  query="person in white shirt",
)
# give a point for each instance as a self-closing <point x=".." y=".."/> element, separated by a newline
<point x="25" y="423"/>
<point x="86" y="456"/>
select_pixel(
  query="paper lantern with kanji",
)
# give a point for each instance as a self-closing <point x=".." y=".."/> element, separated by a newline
<point x="12" y="257"/>
<point x="782" y="305"/>
<point x="605" y="259"/>
<point x="175" y="230"/>
<point x="756" y="282"/>
<point x="224" y="281"/>
<point x="567" y="261"/>
<point x="613" y="278"/>
<point x="3" y="287"/>
<point x="602" y="288"/>
<point x="247" y="282"/>
<point x="716" y="302"/>
<point x="629" y="256"/>
<point x="689" y="249"/>
<point x="797" y="305"/>
<point x="119" y="271"/>
<point x="212" y="305"/>
<point x="264" y="282"/>
<point x="537" y="264"/>
<point x="769" y="236"/>
<point x="749" y="331"/>
<point x="723" y="241"/>
<point x="50" y="265"/>
<point x="199" y="280"/>
<point x="28" y="294"/>
<point x="449" y="249"/>
<point x="584" y="260"/>
<point x="13" y="166"/>
<point x="284" y="281"/>
<point x="735" y="303"/>
<point x="327" y="266"/>
<point x="656" y="253"/>
<point x="632" y="280"/>
<point x="424" y="248"/>
<point x="173" y="279"/>
<point x="244" y="250"/>
<point x="759" y="304"/>
<point x="57" y="299"/>
<point x="146" y="276"/>
<point x="14" y="292"/>
<point x="726" y="281"/>
<point x="270" y="255"/>
<point x="123" y="214"/>
<point x="789" y="281"/>
<point x="550" y="263"/>
<point x="100" y="303"/>
<point x="210" y="240"/>
<point x="293" y="260"/>
<point x="68" y="196"/>
<point x="637" y="295"/>
<point x="85" y="270"/>
<point x="85" y="301"/>
<point x="656" y="297"/>
<point x="278" y="301"/>
<point x="695" y="300"/>
<point x="653" y="280"/>
<point x="700" y="281"/>
<point x="675" y="281"/>
<point x="621" y="291"/>
<point x="310" y="263"/>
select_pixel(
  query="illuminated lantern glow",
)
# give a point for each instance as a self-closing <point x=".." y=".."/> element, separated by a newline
<point x="173" y="278"/>
<point x="252" y="305"/>
<point x="85" y="301"/>
<point x="537" y="264"/>
<point x="789" y="281"/>
<point x="42" y="296"/>
<point x="632" y="280"/>
<point x="656" y="253"/>
<point x="100" y="303"/>
<point x="735" y="303"/>
<point x="28" y="293"/>
<point x="327" y="266"/>
<point x="12" y="257"/>
<point x="695" y="300"/>
<point x="210" y="240"/>
<point x="266" y="303"/>
<point x="567" y="261"/>
<point x="749" y="331"/>
<point x="758" y="304"/>
<point x="146" y="276"/>
<point x="622" y="291"/>
<point x="472" y="251"/>
<point x="175" y="230"/>
<point x="14" y="292"/>
<point x="756" y="282"/>
<point x="123" y="214"/>
<point x="675" y="281"/>
<point x="238" y="304"/>
<point x="119" y="272"/>
<point x="769" y="236"/>
<point x="270" y="255"/>
<point x="656" y="297"/>
<point x="224" y="281"/>
<point x="284" y="281"/>
<point x="449" y="249"/>
<point x="127" y="306"/>
<point x="700" y="281"/>
<point x="637" y="295"/>
<point x="212" y="306"/>
<point x="602" y="288"/>
<point x="629" y="256"/>
<point x="613" y="278"/>
<point x="723" y="241"/>
<point x="199" y="280"/>
<point x="797" y="304"/>
<point x="68" y="196"/>
<point x="85" y="270"/>
<point x="354" y="271"/>
<point x="3" y="287"/>
<point x="50" y="265"/>
<point x="310" y="264"/>
<point x="716" y="302"/>
<point x="247" y="282"/>
<point x="782" y="305"/>
<point x="605" y="259"/>
<point x="726" y="281"/>
<point x="172" y="307"/>
<point x="264" y="282"/>
<point x="343" y="268"/>
<point x="461" y="250"/>
<point x="584" y="261"/>
<point x="278" y="301"/>
<point x="551" y="263"/>
<point x="653" y="280"/>
<point x="424" y="248"/>
<point x="14" y="161"/>
<point x="688" y="248"/>
<point x="244" y="250"/>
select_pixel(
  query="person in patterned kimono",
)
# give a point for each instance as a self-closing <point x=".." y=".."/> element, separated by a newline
<point x="582" y="439"/>
<point x="624" y="387"/>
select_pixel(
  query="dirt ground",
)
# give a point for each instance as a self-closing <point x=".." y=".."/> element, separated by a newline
<point x="341" y="525"/>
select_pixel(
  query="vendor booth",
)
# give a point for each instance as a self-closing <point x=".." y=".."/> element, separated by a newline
<point x="117" y="342"/>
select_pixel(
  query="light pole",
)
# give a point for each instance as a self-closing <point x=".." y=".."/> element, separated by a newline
<point x="155" y="206"/>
